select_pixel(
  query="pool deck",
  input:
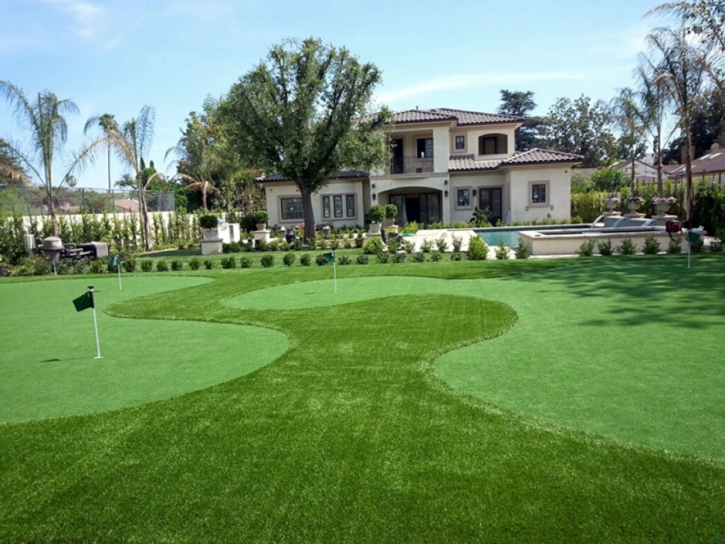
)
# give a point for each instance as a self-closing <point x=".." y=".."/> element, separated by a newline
<point x="464" y="234"/>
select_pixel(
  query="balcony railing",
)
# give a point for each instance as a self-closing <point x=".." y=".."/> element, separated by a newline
<point x="411" y="165"/>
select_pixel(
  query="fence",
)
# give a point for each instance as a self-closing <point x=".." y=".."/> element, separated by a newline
<point x="33" y="200"/>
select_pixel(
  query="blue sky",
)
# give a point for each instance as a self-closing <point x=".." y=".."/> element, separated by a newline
<point x="116" y="56"/>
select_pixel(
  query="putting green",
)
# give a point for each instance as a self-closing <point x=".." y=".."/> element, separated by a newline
<point x="317" y="294"/>
<point x="47" y="365"/>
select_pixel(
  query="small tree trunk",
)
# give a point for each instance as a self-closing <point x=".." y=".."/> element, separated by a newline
<point x="145" y="220"/>
<point x="688" y="170"/>
<point x="660" y="188"/>
<point x="307" y="212"/>
<point x="634" y="185"/>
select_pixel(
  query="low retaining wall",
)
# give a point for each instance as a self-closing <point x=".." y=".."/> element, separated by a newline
<point x="567" y="242"/>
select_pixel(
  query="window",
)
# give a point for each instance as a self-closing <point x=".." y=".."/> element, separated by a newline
<point x="460" y="143"/>
<point x="291" y="208"/>
<point x="538" y="193"/>
<point x="463" y="199"/>
<point x="337" y="199"/>
<point x="425" y="148"/>
<point x="350" y="205"/>
<point x="492" y="144"/>
<point x="332" y="206"/>
<point x="326" y="207"/>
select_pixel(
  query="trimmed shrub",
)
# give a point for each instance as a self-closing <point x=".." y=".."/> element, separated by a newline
<point x="177" y="265"/>
<point x="587" y="248"/>
<point x="457" y="242"/>
<point x="344" y="259"/>
<point x="399" y="257"/>
<point x="373" y="247"/>
<point x="502" y="252"/>
<point x="426" y="246"/>
<point x="129" y="265"/>
<point x="441" y="244"/>
<point x="162" y="266"/>
<point x="383" y="258"/>
<point x="674" y="247"/>
<point x="435" y="256"/>
<point x="458" y="256"/>
<point x="195" y="263"/>
<point x="408" y="246"/>
<point x="651" y="245"/>
<point x="228" y="262"/>
<point x="419" y="257"/>
<point x="628" y="247"/>
<point x="697" y="247"/>
<point x="147" y="266"/>
<point x="305" y="259"/>
<point x="477" y="249"/>
<point x="289" y="259"/>
<point x="362" y="259"/>
<point x="267" y="261"/>
<point x="208" y="264"/>
<point x="97" y="267"/>
<point x="523" y="251"/>
<point x="245" y="262"/>
<point x="320" y="259"/>
<point x="605" y="248"/>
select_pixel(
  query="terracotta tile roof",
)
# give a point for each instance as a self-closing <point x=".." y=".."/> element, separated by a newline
<point x="541" y="156"/>
<point x="420" y="116"/>
<point x="462" y="163"/>
<point x="344" y="174"/>
<point x="478" y="118"/>
<point x="461" y="117"/>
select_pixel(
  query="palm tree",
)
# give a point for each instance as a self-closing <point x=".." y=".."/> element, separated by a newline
<point x="48" y="131"/>
<point x="132" y="143"/>
<point x="627" y="114"/>
<point x="681" y="70"/>
<point x="108" y="125"/>
<point x="200" y="162"/>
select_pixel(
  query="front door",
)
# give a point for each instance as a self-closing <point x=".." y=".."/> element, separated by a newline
<point x="490" y="201"/>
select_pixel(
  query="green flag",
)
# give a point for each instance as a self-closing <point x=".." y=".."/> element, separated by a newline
<point x="84" y="301"/>
<point x="113" y="263"/>
<point x="329" y="258"/>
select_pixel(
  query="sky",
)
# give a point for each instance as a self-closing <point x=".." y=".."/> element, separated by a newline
<point x="117" y="56"/>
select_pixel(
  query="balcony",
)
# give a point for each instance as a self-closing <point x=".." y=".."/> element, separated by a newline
<point x="411" y="165"/>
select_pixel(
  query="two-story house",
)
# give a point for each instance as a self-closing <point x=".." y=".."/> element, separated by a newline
<point x="444" y="164"/>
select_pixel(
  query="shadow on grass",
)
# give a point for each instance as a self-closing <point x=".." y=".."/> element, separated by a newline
<point x="646" y="289"/>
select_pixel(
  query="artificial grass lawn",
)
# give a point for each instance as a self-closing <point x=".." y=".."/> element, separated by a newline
<point x="47" y="365"/>
<point x="350" y="436"/>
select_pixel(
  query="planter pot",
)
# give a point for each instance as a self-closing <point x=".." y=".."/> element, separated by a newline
<point x="662" y="208"/>
<point x="374" y="228"/>
<point x="389" y="222"/>
<point x="611" y="205"/>
<point x="261" y="226"/>
<point x="211" y="234"/>
<point x="632" y="206"/>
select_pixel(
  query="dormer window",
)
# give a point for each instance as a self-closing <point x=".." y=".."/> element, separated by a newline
<point x="493" y="144"/>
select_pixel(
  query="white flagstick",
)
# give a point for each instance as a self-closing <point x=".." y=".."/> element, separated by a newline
<point x="95" y="325"/>
<point x="120" y="286"/>
<point x="334" y="269"/>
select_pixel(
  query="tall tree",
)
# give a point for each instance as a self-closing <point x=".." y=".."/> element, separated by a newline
<point x="583" y="128"/>
<point x="132" y="143"/>
<point x="47" y="131"/>
<point x="11" y="169"/>
<point x="680" y="69"/>
<point x="305" y="113"/>
<point x="108" y="125"/>
<point x="706" y="20"/>
<point x="520" y="103"/>
<point x="628" y="115"/>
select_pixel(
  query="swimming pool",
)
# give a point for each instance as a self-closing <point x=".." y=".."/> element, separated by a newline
<point x="510" y="235"/>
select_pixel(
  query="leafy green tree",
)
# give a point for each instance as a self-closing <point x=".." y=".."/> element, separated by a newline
<point x="583" y="128"/>
<point x="108" y="125"/>
<point x="609" y="180"/>
<point x="47" y="131"/>
<point x="628" y="115"/>
<point x="680" y="69"/>
<point x="305" y="113"/>
<point x="11" y="169"/>
<point x="520" y="103"/>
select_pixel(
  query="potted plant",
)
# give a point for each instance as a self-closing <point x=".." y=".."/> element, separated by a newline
<point x="261" y="218"/>
<point x="391" y="211"/>
<point x="376" y="214"/>
<point x="633" y="203"/>
<point x="612" y="202"/>
<point x="662" y="204"/>
<point x="209" y="224"/>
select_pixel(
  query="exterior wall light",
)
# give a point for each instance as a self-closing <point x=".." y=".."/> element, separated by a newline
<point x="445" y="193"/>
<point x="373" y="196"/>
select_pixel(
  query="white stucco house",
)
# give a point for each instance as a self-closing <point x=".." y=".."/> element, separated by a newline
<point x="444" y="164"/>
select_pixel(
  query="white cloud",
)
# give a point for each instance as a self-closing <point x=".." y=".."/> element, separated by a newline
<point x="88" y="16"/>
<point x="472" y="82"/>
